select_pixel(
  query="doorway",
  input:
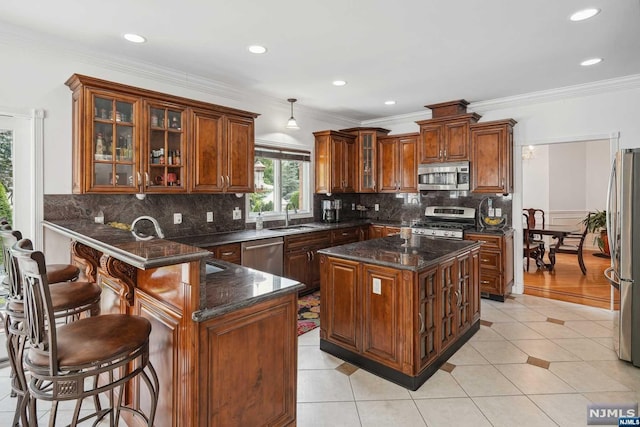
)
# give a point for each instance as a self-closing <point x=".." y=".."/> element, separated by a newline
<point x="567" y="180"/>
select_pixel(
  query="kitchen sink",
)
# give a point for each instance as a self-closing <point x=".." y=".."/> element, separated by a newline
<point x="291" y="227"/>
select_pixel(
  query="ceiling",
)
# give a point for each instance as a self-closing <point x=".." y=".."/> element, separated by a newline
<point x="415" y="52"/>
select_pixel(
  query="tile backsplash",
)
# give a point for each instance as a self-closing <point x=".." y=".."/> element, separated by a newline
<point x="194" y="208"/>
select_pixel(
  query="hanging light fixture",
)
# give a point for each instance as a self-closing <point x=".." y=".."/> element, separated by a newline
<point x="291" y="123"/>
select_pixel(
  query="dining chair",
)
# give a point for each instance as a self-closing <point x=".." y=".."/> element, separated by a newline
<point x="84" y="358"/>
<point x="532" y="249"/>
<point x="574" y="244"/>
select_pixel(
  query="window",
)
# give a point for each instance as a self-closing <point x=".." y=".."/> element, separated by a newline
<point x="282" y="178"/>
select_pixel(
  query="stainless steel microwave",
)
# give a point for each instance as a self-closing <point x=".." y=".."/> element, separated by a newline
<point x="444" y="176"/>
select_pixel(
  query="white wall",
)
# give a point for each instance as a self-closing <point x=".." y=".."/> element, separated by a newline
<point x="567" y="174"/>
<point x="535" y="179"/>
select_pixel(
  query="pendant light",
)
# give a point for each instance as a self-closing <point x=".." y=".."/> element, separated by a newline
<point x="291" y="123"/>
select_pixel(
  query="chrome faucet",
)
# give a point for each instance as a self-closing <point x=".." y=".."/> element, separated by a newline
<point x="159" y="232"/>
<point x="286" y="213"/>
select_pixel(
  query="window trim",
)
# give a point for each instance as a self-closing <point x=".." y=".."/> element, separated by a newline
<point x="287" y="153"/>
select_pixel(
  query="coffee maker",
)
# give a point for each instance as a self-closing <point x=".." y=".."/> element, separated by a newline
<point x="330" y="210"/>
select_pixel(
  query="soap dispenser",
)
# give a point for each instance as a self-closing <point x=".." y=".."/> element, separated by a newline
<point x="259" y="223"/>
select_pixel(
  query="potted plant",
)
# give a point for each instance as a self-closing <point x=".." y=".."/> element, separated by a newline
<point x="597" y="223"/>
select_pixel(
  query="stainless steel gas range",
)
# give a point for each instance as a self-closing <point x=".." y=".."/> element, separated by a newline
<point x="448" y="222"/>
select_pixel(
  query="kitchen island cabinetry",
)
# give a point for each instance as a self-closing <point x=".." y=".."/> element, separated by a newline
<point x="335" y="157"/>
<point x="397" y="166"/>
<point x="132" y="140"/>
<point x="224" y="344"/>
<point x="496" y="263"/>
<point x="492" y="157"/>
<point x="399" y="314"/>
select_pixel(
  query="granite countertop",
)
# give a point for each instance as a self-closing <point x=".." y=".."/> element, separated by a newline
<point x="123" y="245"/>
<point x="235" y="287"/>
<point x="208" y="240"/>
<point x="423" y="251"/>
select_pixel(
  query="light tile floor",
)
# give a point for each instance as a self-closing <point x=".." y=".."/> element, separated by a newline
<point x="496" y="381"/>
<point x="496" y="378"/>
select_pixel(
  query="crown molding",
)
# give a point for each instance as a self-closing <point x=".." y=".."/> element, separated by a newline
<point x="562" y="93"/>
<point x="575" y="91"/>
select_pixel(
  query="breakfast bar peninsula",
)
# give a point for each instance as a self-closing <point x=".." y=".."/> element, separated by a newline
<point x="399" y="310"/>
<point x="224" y="337"/>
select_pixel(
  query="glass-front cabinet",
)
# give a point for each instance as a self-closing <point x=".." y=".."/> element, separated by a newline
<point x="128" y="140"/>
<point x="367" y="145"/>
<point x="114" y="133"/>
<point x="165" y="151"/>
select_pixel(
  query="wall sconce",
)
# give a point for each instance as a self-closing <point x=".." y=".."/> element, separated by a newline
<point x="291" y="123"/>
<point x="528" y="152"/>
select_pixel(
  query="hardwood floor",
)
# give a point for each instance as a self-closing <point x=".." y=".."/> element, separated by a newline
<point x="567" y="283"/>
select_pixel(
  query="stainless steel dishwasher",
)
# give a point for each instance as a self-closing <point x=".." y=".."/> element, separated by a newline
<point x="264" y="255"/>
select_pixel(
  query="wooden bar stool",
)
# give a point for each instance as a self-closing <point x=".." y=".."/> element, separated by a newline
<point x="69" y="300"/>
<point x="111" y="347"/>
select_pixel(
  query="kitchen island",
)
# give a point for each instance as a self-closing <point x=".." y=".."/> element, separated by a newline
<point x="399" y="311"/>
<point x="224" y="337"/>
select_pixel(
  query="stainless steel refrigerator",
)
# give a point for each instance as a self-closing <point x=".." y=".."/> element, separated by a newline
<point x="623" y="228"/>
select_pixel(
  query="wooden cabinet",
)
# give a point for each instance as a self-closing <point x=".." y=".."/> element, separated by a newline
<point x="496" y="263"/>
<point x="445" y="139"/>
<point x="262" y="390"/>
<point x="342" y="236"/>
<point x="397" y="166"/>
<point x="377" y="231"/>
<point x="335" y="157"/>
<point x="223" y="148"/>
<point x="230" y="252"/>
<point x="396" y="323"/>
<point x="132" y="140"/>
<point x="492" y="157"/>
<point x="367" y="160"/>
<point x="301" y="261"/>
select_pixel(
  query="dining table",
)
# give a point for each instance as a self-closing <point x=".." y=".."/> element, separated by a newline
<point x="557" y="232"/>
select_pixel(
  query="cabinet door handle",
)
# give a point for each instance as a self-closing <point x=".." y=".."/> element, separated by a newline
<point x="502" y="183"/>
<point x="146" y="179"/>
<point x="228" y="181"/>
<point x="139" y="180"/>
<point x="484" y="260"/>
<point x="421" y="323"/>
<point x="309" y="256"/>
<point x="457" y="294"/>
<point x="440" y="153"/>
<point x="226" y="253"/>
<point x="484" y="282"/>
<point x="445" y="153"/>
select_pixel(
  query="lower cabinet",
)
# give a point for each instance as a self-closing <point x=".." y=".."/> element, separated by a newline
<point x="301" y="262"/>
<point x="261" y="342"/>
<point x="377" y="231"/>
<point x="399" y="324"/>
<point x="496" y="263"/>
<point x="231" y="252"/>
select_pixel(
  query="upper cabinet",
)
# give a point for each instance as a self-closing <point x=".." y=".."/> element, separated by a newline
<point x="335" y="159"/>
<point x="492" y="156"/>
<point x="366" y="162"/>
<point x="131" y="140"/>
<point x="445" y="137"/>
<point x="223" y="149"/>
<point x="397" y="166"/>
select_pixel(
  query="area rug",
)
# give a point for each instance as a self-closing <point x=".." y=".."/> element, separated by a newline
<point x="308" y="312"/>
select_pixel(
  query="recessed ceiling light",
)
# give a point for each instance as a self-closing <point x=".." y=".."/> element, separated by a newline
<point x="257" y="49"/>
<point x="581" y="15"/>
<point x="339" y="83"/>
<point x="134" y="38"/>
<point x="390" y="102"/>
<point x="591" y="61"/>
